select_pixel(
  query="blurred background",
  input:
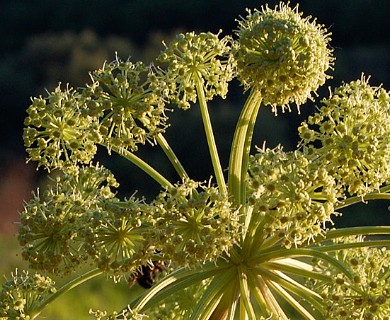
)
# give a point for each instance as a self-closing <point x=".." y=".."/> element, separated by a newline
<point x="44" y="42"/>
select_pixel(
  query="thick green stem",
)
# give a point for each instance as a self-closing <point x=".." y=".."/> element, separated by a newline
<point x="210" y="136"/>
<point x="274" y="254"/>
<point x="371" y="196"/>
<point x="254" y="235"/>
<point x="176" y="281"/>
<point x="345" y="246"/>
<point x="239" y="155"/>
<point x="153" y="173"/>
<point x="246" y="307"/>
<point x="227" y="306"/>
<point x="269" y="299"/>
<point x="279" y="281"/>
<point x="385" y="189"/>
<point x="353" y="231"/>
<point x="163" y="143"/>
<point x="65" y="288"/>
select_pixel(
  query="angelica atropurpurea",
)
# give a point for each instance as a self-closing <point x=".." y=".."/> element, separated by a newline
<point x="252" y="244"/>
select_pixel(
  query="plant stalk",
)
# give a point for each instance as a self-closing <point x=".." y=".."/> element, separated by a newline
<point x="153" y="173"/>
<point x="210" y="136"/>
<point x="163" y="143"/>
<point x="67" y="287"/>
<point x="239" y="155"/>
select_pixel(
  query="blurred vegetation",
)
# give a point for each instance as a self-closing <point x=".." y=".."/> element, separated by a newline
<point x="44" y="42"/>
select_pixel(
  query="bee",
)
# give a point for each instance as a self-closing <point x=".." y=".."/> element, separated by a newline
<point x="147" y="275"/>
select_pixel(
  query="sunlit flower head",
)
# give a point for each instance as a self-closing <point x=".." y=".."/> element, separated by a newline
<point x="365" y="293"/>
<point x="195" y="223"/>
<point x="192" y="58"/>
<point x="282" y="54"/>
<point x="23" y="293"/>
<point x="292" y="199"/>
<point x="350" y="134"/>
<point x="58" y="130"/>
<point x="50" y="223"/>
<point x="129" y="103"/>
<point x="125" y="314"/>
<point x="114" y="236"/>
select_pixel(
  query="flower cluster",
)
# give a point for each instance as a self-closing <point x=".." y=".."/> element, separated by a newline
<point x="197" y="59"/>
<point x="236" y="249"/>
<point x="23" y="293"/>
<point x="128" y="100"/>
<point x="126" y="314"/>
<point x="193" y="226"/>
<point x="365" y="293"/>
<point x="114" y="236"/>
<point x="282" y="54"/>
<point x="50" y="223"/>
<point x="350" y="134"/>
<point x="292" y="198"/>
<point x="59" y="131"/>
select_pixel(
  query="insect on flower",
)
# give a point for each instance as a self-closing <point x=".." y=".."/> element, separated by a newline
<point x="147" y="275"/>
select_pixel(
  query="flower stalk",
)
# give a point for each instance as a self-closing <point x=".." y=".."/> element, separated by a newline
<point x="241" y="144"/>
<point x="65" y="288"/>
<point x="210" y="135"/>
<point x="163" y="143"/>
<point x="150" y="171"/>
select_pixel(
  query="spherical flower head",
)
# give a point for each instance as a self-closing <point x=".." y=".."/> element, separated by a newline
<point x="365" y="293"/>
<point x="23" y="293"/>
<point x="282" y="54"/>
<point x="129" y="103"/>
<point x="51" y="222"/>
<point x="193" y="226"/>
<point x="350" y="134"/>
<point x="114" y="236"/>
<point x="292" y="196"/>
<point x="58" y="130"/>
<point x="197" y="58"/>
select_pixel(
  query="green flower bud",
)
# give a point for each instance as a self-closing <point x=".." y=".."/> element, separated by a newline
<point x="282" y="54"/>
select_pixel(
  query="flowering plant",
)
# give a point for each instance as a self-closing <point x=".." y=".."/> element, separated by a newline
<point x="253" y="244"/>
